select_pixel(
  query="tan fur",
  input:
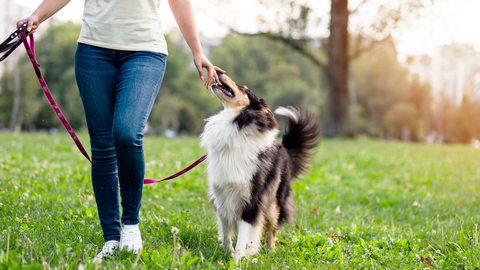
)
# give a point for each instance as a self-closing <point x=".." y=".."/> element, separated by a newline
<point x="272" y="215"/>
<point x="240" y="99"/>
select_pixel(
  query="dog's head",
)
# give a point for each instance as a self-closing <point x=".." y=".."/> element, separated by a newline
<point x="250" y="108"/>
<point x="233" y="95"/>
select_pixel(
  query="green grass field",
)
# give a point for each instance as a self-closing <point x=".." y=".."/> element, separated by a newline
<point x="364" y="205"/>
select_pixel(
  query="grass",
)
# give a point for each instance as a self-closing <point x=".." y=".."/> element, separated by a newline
<point x="364" y="205"/>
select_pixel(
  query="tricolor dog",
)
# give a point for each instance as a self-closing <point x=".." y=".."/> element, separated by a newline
<point x="249" y="172"/>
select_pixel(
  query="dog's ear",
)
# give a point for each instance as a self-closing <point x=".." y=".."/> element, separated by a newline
<point x="251" y="95"/>
<point x="255" y="103"/>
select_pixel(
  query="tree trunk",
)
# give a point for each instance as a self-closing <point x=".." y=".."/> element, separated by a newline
<point x="337" y="71"/>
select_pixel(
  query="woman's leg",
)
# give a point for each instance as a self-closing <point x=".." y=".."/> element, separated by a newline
<point x="139" y="78"/>
<point x="96" y="75"/>
<point x="118" y="89"/>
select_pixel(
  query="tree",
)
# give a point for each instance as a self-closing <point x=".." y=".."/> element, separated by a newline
<point x="337" y="70"/>
<point x="333" y="55"/>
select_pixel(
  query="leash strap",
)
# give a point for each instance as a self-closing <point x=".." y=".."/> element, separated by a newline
<point x="30" y="47"/>
<point x="31" y="54"/>
<point x="175" y="175"/>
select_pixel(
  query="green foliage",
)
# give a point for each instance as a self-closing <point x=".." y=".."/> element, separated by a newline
<point x="363" y="205"/>
<point x="56" y="53"/>
<point x="270" y="70"/>
<point x="388" y="97"/>
<point x="400" y="115"/>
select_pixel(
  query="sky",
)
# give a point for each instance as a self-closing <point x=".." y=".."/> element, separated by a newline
<point x="443" y="22"/>
<point x="447" y="22"/>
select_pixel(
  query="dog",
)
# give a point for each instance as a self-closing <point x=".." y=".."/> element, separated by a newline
<point x="249" y="172"/>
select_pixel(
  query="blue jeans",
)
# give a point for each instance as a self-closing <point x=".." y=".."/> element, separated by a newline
<point x="118" y="89"/>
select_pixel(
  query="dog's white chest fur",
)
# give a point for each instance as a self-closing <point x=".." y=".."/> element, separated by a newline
<point x="232" y="161"/>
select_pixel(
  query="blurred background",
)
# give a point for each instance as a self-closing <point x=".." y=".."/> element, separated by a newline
<point x="398" y="70"/>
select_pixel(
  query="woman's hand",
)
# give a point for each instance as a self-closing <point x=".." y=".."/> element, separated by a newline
<point x="32" y="23"/>
<point x="201" y="62"/>
<point x="183" y="13"/>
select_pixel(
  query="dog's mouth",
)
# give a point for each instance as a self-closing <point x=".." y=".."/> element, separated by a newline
<point x="225" y="89"/>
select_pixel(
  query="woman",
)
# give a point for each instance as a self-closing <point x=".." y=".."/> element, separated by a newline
<point x="119" y="66"/>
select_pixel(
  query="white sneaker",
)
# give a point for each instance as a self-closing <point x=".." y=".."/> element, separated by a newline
<point x="131" y="238"/>
<point x="108" y="249"/>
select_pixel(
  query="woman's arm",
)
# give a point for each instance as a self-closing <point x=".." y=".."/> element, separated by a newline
<point x="183" y="13"/>
<point x="44" y="11"/>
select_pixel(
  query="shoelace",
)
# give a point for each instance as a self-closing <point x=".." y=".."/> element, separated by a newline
<point x="127" y="235"/>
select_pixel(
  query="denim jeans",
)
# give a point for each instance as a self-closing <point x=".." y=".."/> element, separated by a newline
<point x="118" y="89"/>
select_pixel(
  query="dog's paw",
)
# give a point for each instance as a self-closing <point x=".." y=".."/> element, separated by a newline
<point x="238" y="255"/>
<point x="251" y="249"/>
<point x="227" y="246"/>
<point x="228" y="249"/>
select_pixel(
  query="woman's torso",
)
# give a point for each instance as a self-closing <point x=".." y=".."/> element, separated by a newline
<point x="131" y="25"/>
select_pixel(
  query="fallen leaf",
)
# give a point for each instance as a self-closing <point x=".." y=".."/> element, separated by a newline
<point x="426" y="261"/>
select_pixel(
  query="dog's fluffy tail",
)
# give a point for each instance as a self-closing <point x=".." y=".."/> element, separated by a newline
<point x="301" y="136"/>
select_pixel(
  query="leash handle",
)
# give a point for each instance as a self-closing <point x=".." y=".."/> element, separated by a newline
<point x="31" y="55"/>
<point x="8" y="47"/>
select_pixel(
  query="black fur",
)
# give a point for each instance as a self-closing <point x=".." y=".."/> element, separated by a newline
<point x="256" y="112"/>
<point x="300" y="139"/>
<point x="270" y="184"/>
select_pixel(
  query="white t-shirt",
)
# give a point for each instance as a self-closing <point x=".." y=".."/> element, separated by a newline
<point x="130" y="25"/>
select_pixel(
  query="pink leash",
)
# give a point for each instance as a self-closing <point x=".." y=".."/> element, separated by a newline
<point x="31" y="54"/>
<point x="177" y="174"/>
<point x="30" y="51"/>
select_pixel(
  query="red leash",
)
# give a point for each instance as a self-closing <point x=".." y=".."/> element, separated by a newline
<point x="31" y="54"/>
